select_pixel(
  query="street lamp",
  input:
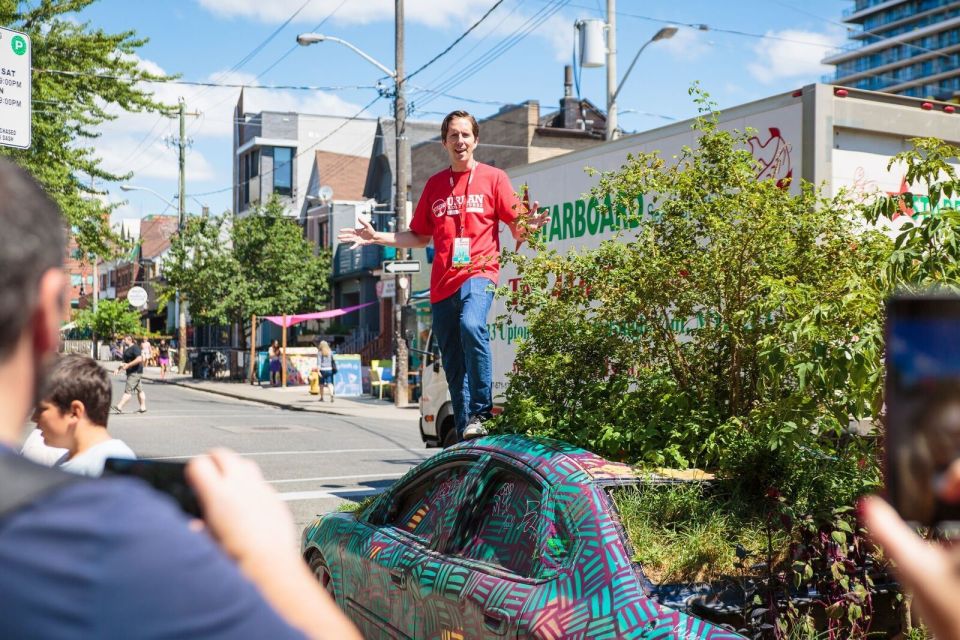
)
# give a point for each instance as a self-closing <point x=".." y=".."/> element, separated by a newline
<point x="307" y="39"/>
<point x="400" y="191"/>
<point x="130" y="187"/>
<point x="663" y="34"/>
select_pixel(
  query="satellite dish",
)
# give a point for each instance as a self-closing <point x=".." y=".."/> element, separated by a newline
<point x="326" y="193"/>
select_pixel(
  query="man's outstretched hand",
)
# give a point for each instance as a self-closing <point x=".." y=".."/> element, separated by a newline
<point x="531" y="223"/>
<point x="359" y="237"/>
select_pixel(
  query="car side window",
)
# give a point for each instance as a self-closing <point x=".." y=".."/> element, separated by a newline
<point x="418" y="509"/>
<point x="556" y="543"/>
<point x="504" y="526"/>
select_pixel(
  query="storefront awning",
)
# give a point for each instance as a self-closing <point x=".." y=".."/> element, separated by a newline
<point x="297" y="318"/>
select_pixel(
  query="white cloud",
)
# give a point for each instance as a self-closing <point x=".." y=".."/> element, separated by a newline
<point x="435" y="13"/>
<point x="686" y="44"/>
<point x="794" y="54"/>
<point x="138" y="141"/>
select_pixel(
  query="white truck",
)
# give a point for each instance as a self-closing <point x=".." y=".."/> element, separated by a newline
<point x="820" y="133"/>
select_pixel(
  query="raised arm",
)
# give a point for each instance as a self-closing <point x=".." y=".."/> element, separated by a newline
<point x="367" y="235"/>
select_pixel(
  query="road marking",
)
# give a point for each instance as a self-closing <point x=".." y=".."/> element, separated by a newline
<point x="301" y="452"/>
<point x="321" y="495"/>
<point x="326" y="478"/>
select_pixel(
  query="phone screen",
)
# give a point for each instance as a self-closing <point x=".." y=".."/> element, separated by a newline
<point x="167" y="477"/>
<point x="923" y="405"/>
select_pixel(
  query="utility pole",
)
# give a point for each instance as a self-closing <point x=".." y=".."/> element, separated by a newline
<point x="401" y="296"/>
<point x="611" y="69"/>
<point x="181" y="218"/>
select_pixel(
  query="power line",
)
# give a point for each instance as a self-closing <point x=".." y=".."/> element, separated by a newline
<point x="324" y="138"/>
<point x="221" y="76"/>
<point x="873" y="34"/>
<point x="224" y="85"/>
<point x="536" y="20"/>
<point x="457" y="41"/>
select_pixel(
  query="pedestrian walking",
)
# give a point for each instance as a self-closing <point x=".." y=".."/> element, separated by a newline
<point x="146" y="349"/>
<point x="326" y="367"/>
<point x="461" y="209"/>
<point x="163" y="358"/>
<point x="133" y="366"/>
<point x="273" y="355"/>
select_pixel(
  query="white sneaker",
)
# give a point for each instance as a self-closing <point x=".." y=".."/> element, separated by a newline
<point x="475" y="429"/>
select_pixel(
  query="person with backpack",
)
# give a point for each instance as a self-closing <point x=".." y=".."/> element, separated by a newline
<point x="111" y="557"/>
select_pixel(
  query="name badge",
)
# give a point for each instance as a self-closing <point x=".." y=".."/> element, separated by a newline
<point x="461" y="252"/>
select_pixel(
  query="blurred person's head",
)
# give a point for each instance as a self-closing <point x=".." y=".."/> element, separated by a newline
<point x="128" y="340"/>
<point x="33" y="292"/>
<point x="324" y="348"/>
<point x="75" y="395"/>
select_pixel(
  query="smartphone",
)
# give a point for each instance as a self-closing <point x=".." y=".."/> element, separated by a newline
<point x="167" y="477"/>
<point x="922" y="406"/>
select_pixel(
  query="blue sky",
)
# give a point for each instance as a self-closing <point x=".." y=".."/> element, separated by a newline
<point x="750" y="50"/>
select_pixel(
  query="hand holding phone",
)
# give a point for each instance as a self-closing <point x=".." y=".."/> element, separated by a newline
<point x="923" y="407"/>
<point x="166" y="477"/>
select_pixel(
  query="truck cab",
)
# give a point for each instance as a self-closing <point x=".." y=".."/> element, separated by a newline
<point x="436" y="411"/>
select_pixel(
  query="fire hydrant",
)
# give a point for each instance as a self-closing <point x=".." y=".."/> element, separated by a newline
<point x="314" y="379"/>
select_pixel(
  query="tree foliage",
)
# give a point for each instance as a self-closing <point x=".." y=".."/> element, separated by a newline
<point x="738" y="325"/>
<point x="733" y="310"/>
<point x="112" y="318"/>
<point x="82" y="76"/>
<point x="230" y="268"/>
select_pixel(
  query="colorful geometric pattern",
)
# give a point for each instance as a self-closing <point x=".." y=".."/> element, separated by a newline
<point x="500" y="537"/>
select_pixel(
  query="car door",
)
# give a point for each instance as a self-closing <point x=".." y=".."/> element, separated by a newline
<point x="403" y="531"/>
<point x="492" y="560"/>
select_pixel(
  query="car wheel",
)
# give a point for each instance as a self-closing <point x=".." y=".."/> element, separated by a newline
<point x="322" y="572"/>
<point x="450" y="437"/>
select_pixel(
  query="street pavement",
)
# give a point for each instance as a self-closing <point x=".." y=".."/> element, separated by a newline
<point x="317" y="456"/>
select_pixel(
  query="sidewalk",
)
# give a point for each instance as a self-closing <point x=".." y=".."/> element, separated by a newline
<point x="296" y="398"/>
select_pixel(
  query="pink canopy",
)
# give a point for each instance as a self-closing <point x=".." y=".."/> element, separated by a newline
<point x="316" y="315"/>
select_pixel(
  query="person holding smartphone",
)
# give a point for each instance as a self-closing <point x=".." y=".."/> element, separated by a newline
<point x="110" y="557"/>
<point x="460" y="210"/>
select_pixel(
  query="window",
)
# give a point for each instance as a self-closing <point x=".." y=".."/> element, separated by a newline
<point x="417" y="510"/>
<point x="503" y="528"/>
<point x="76" y="279"/>
<point x="283" y="171"/>
<point x="250" y="169"/>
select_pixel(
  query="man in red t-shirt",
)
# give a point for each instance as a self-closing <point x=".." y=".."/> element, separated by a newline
<point x="460" y="210"/>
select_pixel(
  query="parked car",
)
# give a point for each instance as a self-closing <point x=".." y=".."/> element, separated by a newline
<point x="500" y="537"/>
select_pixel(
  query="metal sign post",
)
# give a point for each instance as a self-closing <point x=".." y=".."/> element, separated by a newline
<point x="15" y="89"/>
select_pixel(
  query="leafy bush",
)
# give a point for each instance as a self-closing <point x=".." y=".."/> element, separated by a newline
<point x="735" y="325"/>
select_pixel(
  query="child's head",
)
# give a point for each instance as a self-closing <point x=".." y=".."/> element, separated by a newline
<point x="76" y="392"/>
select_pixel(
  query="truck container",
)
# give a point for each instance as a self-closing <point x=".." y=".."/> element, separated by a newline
<point x="838" y="137"/>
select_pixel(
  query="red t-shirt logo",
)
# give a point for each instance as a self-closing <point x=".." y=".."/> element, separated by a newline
<point x="440" y="208"/>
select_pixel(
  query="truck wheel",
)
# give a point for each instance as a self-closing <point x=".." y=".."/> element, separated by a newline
<point x="450" y="436"/>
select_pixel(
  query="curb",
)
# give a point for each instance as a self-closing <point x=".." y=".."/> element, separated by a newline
<point x="264" y="401"/>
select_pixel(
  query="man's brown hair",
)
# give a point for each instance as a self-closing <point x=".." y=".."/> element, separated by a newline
<point x="79" y="377"/>
<point x="458" y="114"/>
<point x="32" y="240"/>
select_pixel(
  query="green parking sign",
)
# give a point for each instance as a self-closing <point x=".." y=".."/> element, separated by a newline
<point x="16" y="115"/>
<point x="18" y="44"/>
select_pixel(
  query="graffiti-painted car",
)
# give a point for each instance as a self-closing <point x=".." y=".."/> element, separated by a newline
<point x="500" y="537"/>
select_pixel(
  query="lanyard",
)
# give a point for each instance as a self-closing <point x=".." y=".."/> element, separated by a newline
<point x="466" y="198"/>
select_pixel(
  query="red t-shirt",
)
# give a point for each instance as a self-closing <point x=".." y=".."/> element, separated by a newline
<point x="441" y="214"/>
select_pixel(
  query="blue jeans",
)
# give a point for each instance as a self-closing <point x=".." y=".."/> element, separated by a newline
<point x="460" y="325"/>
